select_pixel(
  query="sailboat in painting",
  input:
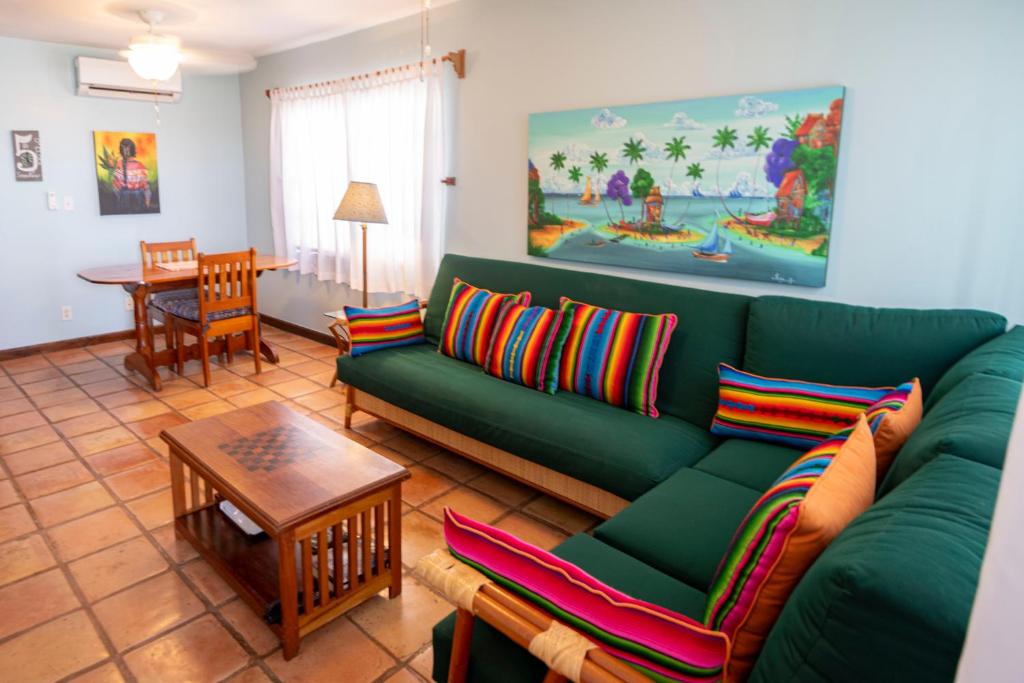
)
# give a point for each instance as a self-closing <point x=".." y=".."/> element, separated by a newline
<point x="589" y="197"/>
<point x="713" y="248"/>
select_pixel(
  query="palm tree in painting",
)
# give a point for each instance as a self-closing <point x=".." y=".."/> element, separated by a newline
<point x="724" y="138"/>
<point x="598" y="163"/>
<point x="694" y="172"/>
<point x="793" y="125"/>
<point x="575" y="175"/>
<point x="557" y="161"/>
<point x="675" y="149"/>
<point x="634" y="151"/>
<point x="757" y="140"/>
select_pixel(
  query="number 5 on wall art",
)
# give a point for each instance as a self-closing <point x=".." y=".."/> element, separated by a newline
<point x="28" y="165"/>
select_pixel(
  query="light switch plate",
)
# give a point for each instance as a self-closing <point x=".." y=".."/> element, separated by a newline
<point x="69" y="203"/>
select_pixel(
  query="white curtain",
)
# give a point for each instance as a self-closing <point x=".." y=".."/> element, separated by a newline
<point x="387" y="130"/>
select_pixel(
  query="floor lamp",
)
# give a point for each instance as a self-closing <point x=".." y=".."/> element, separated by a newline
<point x="361" y="204"/>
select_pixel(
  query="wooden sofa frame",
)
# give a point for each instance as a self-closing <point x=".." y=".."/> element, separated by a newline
<point x="573" y="491"/>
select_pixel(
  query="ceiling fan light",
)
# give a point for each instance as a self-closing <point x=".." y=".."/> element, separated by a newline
<point x="154" y="57"/>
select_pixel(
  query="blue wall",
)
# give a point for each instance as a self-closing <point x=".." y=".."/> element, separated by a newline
<point x="928" y="202"/>
<point x="201" y="189"/>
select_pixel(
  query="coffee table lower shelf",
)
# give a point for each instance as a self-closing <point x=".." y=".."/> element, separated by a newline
<point x="251" y="563"/>
<point x="286" y="592"/>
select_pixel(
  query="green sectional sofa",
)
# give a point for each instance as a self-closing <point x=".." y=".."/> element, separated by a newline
<point x="888" y="600"/>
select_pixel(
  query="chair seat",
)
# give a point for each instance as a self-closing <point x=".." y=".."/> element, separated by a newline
<point x="188" y="309"/>
<point x="168" y="294"/>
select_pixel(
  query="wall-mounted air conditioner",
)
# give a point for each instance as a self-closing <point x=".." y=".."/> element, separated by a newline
<point x="113" y="78"/>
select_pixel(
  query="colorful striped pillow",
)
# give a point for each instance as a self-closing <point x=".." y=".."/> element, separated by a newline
<point x="893" y="419"/>
<point x="791" y="412"/>
<point x="660" y="643"/>
<point x="373" y="329"/>
<point x="527" y="345"/>
<point x="782" y="535"/>
<point x="469" y="321"/>
<point x="615" y="356"/>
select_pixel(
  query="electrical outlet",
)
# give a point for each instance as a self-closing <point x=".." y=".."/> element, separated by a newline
<point x="51" y="200"/>
<point x="128" y="304"/>
<point x="69" y="203"/>
<point x="65" y="313"/>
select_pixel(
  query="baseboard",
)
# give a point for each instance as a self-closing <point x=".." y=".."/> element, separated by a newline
<point x="322" y="337"/>
<point x="65" y="344"/>
<point x="79" y="342"/>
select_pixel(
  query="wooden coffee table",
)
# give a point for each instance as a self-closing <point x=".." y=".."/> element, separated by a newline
<point x="320" y="499"/>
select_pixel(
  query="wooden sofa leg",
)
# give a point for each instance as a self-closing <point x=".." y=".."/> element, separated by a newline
<point x="458" y="667"/>
<point x="350" y="405"/>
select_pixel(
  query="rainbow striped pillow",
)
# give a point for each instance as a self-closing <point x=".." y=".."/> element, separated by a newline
<point x="527" y="345"/>
<point x="615" y="356"/>
<point x="782" y="535"/>
<point x="469" y="320"/>
<point x="791" y="412"/>
<point x="660" y="643"/>
<point x="373" y="329"/>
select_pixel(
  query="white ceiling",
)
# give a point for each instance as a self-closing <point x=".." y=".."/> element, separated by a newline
<point x="220" y="36"/>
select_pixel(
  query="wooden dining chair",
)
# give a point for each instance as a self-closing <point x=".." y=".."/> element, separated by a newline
<point x="224" y="305"/>
<point x="154" y="253"/>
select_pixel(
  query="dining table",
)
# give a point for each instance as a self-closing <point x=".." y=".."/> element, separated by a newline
<point x="140" y="283"/>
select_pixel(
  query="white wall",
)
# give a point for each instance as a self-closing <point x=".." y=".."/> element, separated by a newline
<point x="199" y="149"/>
<point x="928" y="211"/>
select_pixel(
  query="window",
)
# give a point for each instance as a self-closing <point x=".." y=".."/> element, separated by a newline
<point x="387" y="130"/>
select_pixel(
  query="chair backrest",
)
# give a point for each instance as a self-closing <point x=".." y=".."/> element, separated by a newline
<point x="167" y="252"/>
<point x="227" y="281"/>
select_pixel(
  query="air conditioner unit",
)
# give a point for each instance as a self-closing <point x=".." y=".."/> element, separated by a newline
<point x="113" y="78"/>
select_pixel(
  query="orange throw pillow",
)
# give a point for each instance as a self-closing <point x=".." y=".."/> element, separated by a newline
<point x="784" y="532"/>
<point x="893" y="419"/>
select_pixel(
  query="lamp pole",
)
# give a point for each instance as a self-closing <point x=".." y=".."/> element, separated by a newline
<point x="366" y="300"/>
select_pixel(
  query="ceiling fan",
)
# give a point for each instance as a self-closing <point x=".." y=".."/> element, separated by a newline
<point x="151" y="55"/>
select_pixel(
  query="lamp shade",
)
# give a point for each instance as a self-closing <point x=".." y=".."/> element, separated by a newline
<point x="361" y="204"/>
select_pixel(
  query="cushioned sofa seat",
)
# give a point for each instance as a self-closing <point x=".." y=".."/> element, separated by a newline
<point x="614" y="449"/>
<point x="495" y="659"/>
<point x="754" y="464"/>
<point x="889" y="599"/>
<point x="683" y="526"/>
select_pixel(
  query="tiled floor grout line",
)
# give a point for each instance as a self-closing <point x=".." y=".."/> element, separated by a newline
<point x="110" y="360"/>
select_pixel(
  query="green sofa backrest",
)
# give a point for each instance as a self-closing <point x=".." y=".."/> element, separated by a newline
<point x="889" y="600"/>
<point x="711" y="324"/>
<point x="775" y="336"/>
<point x="1001" y="357"/>
<point x="972" y="421"/>
<point x="842" y="344"/>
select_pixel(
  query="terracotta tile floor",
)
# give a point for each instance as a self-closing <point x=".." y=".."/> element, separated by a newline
<point x="95" y="587"/>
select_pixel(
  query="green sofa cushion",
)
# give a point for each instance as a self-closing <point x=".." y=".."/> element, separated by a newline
<point x="683" y="526"/>
<point x="889" y="599"/>
<point x="972" y="421"/>
<point x="710" y="330"/>
<point x="754" y="464"/>
<point x="1003" y="357"/>
<point x="842" y="344"/>
<point x="606" y="564"/>
<point x="613" y="449"/>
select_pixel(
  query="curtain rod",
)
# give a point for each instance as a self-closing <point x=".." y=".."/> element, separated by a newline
<point x="457" y="59"/>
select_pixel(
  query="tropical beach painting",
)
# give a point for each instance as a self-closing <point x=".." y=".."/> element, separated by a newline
<point x="740" y="187"/>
